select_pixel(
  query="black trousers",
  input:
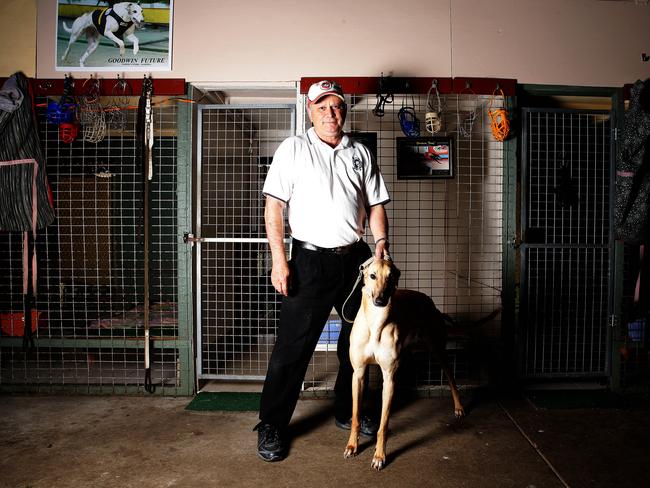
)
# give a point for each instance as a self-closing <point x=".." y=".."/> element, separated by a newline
<point x="320" y="281"/>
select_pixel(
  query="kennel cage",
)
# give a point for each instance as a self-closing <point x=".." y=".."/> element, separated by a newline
<point x="446" y="235"/>
<point x="238" y="307"/>
<point x="566" y="252"/>
<point x="89" y="308"/>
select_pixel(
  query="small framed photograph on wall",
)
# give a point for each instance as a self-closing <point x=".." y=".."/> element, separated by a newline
<point x="425" y="157"/>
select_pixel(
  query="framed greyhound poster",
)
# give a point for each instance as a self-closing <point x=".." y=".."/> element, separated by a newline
<point x="425" y="157"/>
<point x="107" y="35"/>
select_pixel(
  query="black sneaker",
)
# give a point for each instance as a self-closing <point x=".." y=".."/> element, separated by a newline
<point x="368" y="426"/>
<point x="270" y="446"/>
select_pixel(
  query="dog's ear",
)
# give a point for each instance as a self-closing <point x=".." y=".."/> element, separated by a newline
<point x="395" y="274"/>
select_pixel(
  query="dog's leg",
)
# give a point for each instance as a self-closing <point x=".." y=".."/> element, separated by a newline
<point x="67" y="51"/>
<point x="117" y="41"/>
<point x="388" y="374"/>
<point x="459" y="411"/>
<point x="136" y="43"/>
<point x="357" y="396"/>
<point x="93" y="43"/>
<point x="73" y="38"/>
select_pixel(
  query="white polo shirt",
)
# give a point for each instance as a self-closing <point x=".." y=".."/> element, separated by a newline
<point x="327" y="190"/>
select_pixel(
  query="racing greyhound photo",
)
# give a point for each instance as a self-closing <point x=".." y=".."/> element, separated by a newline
<point x="389" y="321"/>
<point x="115" y="23"/>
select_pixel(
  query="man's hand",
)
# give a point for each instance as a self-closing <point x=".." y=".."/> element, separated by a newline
<point x="281" y="278"/>
<point x="381" y="249"/>
<point x="274" y="220"/>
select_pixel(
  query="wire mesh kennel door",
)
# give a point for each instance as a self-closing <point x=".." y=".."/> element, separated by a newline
<point x="238" y="306"/>
<point x="566" y="248"/>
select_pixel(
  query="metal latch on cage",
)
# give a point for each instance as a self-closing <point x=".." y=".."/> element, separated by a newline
<point x="613" y="321"/>
<point x="191" y="238"/>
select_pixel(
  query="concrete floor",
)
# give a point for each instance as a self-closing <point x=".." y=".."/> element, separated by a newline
<point x="84" y="441"/>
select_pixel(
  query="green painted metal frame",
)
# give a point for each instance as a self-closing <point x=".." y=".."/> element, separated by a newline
<point x="509" y="294"/>
<point x="184" y="268"/>
<point x="618" y="269"/>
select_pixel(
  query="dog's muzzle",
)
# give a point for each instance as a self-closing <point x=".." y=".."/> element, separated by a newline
<point x="380" y="301"/>
<point x="384" y="297"/>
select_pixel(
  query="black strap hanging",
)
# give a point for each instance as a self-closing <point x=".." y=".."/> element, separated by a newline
<point x="145" y="141"/>
<point x="384" y="96"/>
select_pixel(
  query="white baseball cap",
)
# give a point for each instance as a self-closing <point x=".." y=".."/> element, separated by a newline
<point x="322" y="88"/>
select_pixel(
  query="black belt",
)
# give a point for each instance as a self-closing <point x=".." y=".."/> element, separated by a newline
<point x="330" y="250"/>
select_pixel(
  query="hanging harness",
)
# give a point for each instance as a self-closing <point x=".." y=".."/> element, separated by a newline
<point x="99" y="21"/>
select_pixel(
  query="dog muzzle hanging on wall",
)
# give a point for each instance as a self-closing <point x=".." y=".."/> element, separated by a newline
<point x="433" y="119"/>
<point x="499" y="122"/>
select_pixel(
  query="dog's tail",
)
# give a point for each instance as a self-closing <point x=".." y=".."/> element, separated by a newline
<point x="66" y="28"/>
<point x="476" y="323"/>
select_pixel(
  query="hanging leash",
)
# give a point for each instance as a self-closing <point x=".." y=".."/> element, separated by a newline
<point x="145" y="133"/>
<point x="499" y="122"/>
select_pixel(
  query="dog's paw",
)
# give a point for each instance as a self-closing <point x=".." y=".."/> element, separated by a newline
<point x="459" y="413"/>
<point x="350" y="452"/>
<point x="378" y="463"/>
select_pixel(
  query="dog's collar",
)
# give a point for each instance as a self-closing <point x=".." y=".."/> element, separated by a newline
<point x="367" y="262"/>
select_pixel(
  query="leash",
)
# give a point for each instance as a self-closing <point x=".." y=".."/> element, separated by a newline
<point x="362" y="267"/>
<point x="145" y="116"/>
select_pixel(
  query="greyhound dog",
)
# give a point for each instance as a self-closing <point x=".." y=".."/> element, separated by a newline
<point x="115" y="23"/>
<point x="390" y="320"/>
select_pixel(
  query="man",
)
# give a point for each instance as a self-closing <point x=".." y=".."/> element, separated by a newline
<point x="329" y="184"/>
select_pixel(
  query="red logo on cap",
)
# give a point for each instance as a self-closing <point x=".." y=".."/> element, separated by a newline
<point x="326" y="85"/>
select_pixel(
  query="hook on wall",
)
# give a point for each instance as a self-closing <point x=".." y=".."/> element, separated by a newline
<point x="45" y="86"/>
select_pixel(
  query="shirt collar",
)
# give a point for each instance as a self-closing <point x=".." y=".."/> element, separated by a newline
<point x="314" y="139"/>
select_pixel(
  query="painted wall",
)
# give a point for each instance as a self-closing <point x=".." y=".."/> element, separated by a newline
<point x="577" y="42"/>
<point x="17" y="37"/>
